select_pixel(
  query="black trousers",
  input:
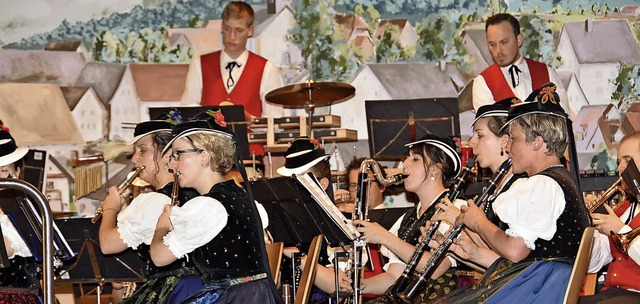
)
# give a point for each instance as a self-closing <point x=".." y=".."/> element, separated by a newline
<point x="612" y="296"/>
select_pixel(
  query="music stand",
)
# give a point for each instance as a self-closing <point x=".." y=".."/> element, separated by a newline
<point x="393" y="123"/>
<point x="27" y="220"/>
<point x="233" y="115"/>
<point x="92" y="266"/>
<point x="294" y="217"/>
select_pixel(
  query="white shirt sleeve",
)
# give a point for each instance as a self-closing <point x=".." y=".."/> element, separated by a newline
<point x="600" y="252"/>
<point x="264" y="216"/>
<point x="10" y="233"/>
<point x="271" y="80"/>
<point x="386" y="252"/>
<point x="195" y="224"/>
<point x="531" y="208"/>
<point x="481" y="95"/>
<point x="137" y="222"/>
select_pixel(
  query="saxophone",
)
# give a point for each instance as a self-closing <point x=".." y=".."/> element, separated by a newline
<point x="360" y="213"/>
<point x="418" y="283"/>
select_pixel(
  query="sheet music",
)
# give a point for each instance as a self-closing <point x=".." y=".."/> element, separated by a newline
<point x="311" y="184"/>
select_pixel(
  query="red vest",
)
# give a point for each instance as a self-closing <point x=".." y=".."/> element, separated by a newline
<point x="498" y="84"/>
<point x="623" y="271"/>
<point x="246" y="92"/>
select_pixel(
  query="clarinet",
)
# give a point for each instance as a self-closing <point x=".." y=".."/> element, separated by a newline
<point x="418" y="283"/>
<point x="401" y="283"/>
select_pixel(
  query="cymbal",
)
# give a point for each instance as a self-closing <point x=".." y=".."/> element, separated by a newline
<point x="318" y="93"/>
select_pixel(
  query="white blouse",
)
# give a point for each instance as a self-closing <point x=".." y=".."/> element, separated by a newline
<point x="10" y="233"/>
<point x="197" y="222"/>
<point x="137" y="222"/>
<point x="531" y="208"/>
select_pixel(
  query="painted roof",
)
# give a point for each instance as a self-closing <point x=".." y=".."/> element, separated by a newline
<point x="610" y="41"/>
<point x="38" y="66"/>
<point x="160" y="82"/>
<point x="37" y="114"/>
<point x="103" y="77"/>
<point x="63" y="45"/>
<point x="416" y="80"/>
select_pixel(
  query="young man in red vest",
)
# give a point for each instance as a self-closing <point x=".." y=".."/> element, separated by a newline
<point x="511" y="75"/>
<point x="237" y="76"/>
<point x="622" y="282"/>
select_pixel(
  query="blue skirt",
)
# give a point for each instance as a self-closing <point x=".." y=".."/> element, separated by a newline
<point x="257" y="292"/>
<point x="522" y="282"/>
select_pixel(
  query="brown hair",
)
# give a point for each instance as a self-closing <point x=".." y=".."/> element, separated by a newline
<point x="237" y="10"/>
<point x="552" y="129"/>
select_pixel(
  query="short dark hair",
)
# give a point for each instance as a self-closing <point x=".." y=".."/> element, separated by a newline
<point x="502" y="17"/>
<point x="321" y="170"/>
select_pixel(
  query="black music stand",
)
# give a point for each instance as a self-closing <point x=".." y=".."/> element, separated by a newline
<point x="27" y="220"/>
<point x="294" y="217"/>
<point x="390" y="123"/>
<point x="91" y="265"/>
<point x="233" y="115"/>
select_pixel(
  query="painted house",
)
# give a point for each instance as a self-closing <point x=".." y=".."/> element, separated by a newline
<point x="575" y="94"/>
<point x="89" y="112"/>
<point x="395" y="81"/>
<point x="270" y="39"/>
<point x="103" y="77"/>
<point x="589" y="137"/>
<point x="150" y="85"/>
<point x="364" y="47"/>
<point x="68" y="46"/>
<point x="351" y="26"/>
<point x="408" y="37"/>
<point x="475" y="42"/>
<point x="631" y="121"/>
<point x="38" y="66"/>
<point x="594" y="50"/>
<point x="202" y="40"/>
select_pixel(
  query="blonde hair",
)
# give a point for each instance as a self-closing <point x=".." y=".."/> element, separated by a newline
<point x="552" y="129"/>
<point x="237" y="10"/>
<point x="222" y="150"/>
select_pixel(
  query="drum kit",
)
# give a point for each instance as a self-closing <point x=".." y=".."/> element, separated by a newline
<point x="310" y="94"/>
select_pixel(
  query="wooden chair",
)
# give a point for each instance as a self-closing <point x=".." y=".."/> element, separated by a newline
<point x="579" y="267"/>
<point x="309" y="271"/>
<point x="274" y="252"/>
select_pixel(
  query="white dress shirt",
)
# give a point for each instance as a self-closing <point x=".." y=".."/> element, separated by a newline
<point x="483" y="96"/>
<point x="271" y="80"/>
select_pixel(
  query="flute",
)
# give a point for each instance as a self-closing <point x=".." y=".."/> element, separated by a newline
<point x="121" y="189"/>
<point x="176" y="188"/>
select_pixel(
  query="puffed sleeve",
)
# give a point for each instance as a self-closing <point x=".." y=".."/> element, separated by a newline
<point x="195" y="224"/>
<point x="600" y="252"/>
<point x="531" y="208"/>
<point x="10" y="232"/>
<point x="264" y="216"/>
<point x="137" y="222"/>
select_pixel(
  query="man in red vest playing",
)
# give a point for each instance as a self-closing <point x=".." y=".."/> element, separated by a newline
<point x="622" y="281"/>
<point x="237" y="76"/>
<point x="511" y="75"/>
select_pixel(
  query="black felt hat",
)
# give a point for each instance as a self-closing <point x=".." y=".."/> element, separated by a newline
<point x="197" y="126"/>
<point x="303" y="154"/>
<point x="544" y="100"/>
<point x="499" y="109"/>
<point x="447" y="145"/>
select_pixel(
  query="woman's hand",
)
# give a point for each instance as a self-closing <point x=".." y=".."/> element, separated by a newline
<point x="164" y="222"/>
<point x="345" y="281"/>
<point x="372" y="232"/>
<point x="607" y="223"/>
<point x="448" y="211"/>
<point x="113" y="201"/>
<point x="464" y="247"/>
<point x="471" y="216"/>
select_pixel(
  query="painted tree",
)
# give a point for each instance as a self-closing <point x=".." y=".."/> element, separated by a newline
<point x="326" y="56"/>
<point x="388" y="48"/>
<point x="440" y="39"/>
<point x="538" y="43"/>
<point x="627" y="85"/>
<point x="145" y="46"/>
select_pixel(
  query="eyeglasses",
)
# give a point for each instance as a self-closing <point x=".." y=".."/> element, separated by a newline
<point x="175" y="155"/>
